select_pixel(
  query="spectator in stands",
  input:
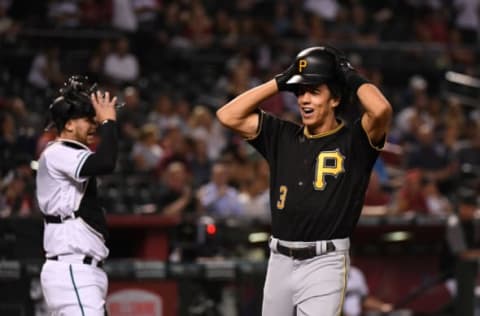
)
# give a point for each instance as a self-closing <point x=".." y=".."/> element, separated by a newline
<point x="218" y="198"/>
<point x="131" y="116"/>
<point x="433" y="158"/>
<point x="281" y="19"/>
<point x="183" y="110"/>
<point x="410" y="118"/>
<point x="239" y="79"/>
<point x="203" y="125"/>
<point x="14" y="200"/>
<point x="95" y="13"/>
<point x="199" y="28"/>
<point x="8" y="141"/>
<point x="64" y="13"/>
<point x="255" y="192"/>
<point x="364" y="28"/>
<point x="123" y="16"/>
<point x="9" y="28"/>
<point x="357" y="297"/>
<point x="45" y="70"/>
<point x="227" y="29"/>
<point x="147" y="152"/>
<point x="121" y="65"/>
<point x="419" y="195"/>
<point x="96" y="62"/>
<point x="462" y="245"/>
<point x="200" y="164"/>
<point x="377" y="199"/>
<point x="163" y="114"/>
<point x="146" y="12"/>
<point x="467" y="20"/>
<point x="177" y="147"/>
<point x="326" y="9"/>
<point x="28" y="122"/>
<point x="17" y="189"/>
<point x="176" y="196"/>
<point x="468" y="159"/>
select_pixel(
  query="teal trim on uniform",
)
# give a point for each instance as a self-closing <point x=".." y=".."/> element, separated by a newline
<point x="80" y="164"/>
<point x="76" y="290"/>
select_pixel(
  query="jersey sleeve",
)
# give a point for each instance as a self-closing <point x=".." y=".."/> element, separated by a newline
<point x="267" y="135"/>
<point x="68" y="161"/>
<point x="362" y="146"/>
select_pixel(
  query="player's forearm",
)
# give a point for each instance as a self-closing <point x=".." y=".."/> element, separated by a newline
<point x="237" y="111"/>
<point x="103" y="161"/>
<point x="378" y="112"/>
<point x="374" y="103"/>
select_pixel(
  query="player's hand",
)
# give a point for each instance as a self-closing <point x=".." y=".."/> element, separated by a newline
<point x="344" y="67"/>
<point x="104" y="106"/>
<point x="282" y="78"/>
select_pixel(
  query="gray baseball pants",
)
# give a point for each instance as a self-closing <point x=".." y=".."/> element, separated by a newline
<point x="310" y="287"/>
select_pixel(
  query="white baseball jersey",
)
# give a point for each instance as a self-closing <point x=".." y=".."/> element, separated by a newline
<point x="60" y="192"/>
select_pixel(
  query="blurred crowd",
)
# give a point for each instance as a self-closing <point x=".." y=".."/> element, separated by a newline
<point x="174" y="63"/>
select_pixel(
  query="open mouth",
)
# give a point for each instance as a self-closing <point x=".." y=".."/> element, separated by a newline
<point x="307" y="111"/>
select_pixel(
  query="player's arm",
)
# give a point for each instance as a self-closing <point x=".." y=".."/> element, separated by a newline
<point x="240" y="113"/>
<point x="104" y="159"/>
<point x="378" y="112"/>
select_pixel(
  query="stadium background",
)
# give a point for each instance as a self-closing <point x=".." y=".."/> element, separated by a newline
<point x="173" y="63"/>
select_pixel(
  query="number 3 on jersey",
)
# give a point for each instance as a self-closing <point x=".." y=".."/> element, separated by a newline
<point x="282" y="197"/>
<point x="328" y="163"/>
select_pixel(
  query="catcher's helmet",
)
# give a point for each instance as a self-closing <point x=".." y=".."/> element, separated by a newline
<point x="73" y="102"/>
<point x="314" y="65"/>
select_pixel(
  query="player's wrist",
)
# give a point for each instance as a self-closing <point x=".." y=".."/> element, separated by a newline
<point x="105" y="121"/>
<point x="354" y="80"/>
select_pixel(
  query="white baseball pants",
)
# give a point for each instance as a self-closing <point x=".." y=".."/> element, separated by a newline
<point x="74" y="288"/>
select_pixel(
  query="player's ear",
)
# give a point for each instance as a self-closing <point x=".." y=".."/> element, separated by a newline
<point x="68" y="126"/>
<point x="334" y="101"/>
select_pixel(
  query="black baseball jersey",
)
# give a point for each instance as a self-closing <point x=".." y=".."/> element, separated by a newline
<point x="317" y="182"/>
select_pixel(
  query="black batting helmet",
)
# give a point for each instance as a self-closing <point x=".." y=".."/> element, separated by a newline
<point x="314" y="65"/>
<point x="73" y="102"/>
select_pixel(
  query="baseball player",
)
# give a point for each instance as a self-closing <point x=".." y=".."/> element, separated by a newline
<point x="319" y="175"/>
<point x="72" y="278"/>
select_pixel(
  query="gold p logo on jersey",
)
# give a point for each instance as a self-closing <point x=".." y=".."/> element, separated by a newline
<point x="328" y="163"/>
<point x="302" y="64"/>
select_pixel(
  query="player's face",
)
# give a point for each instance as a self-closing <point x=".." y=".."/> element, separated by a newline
<point x="316" y="105"/>
<point x="83" y="130"/>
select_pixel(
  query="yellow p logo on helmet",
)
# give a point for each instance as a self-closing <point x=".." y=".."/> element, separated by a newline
<point x="302" y="64"/>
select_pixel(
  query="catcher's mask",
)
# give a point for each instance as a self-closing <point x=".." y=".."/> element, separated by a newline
<point x="73" y="102"/>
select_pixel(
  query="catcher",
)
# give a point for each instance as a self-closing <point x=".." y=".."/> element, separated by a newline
<point x="72" y="278"/>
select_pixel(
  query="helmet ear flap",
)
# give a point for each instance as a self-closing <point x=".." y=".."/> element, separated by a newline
<point x="60" y="111"/>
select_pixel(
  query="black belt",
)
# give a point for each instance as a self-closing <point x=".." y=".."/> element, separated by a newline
<point x="86" y="260"/>
<point x="303" y="253"/>
<point x="56" y="219"/>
